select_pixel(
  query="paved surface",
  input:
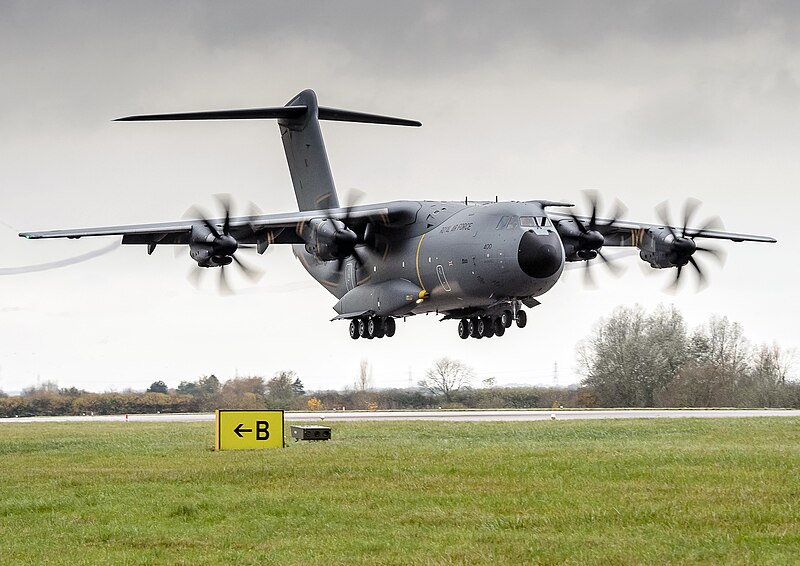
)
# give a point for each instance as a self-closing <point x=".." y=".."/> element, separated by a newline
<point x="538" y="415"/>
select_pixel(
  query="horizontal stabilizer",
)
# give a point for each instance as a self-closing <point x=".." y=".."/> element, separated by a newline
<point x="337" y="115"/>
<point x="281" y="112"/>
<point x="244" y="114"/>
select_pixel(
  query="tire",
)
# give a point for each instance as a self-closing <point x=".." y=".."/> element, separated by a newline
<point x="499" y="327"/>
<point x="473" y="327"/>
<point x="362" y="328"/>
<point x="354" y="329"/>
<point x="507" y="318"/>
<point x="488" y="327"/>
<point x="480" y="328"/>
<point x="522" y="319"/>
<point x="390" y="327"/>
<point x="463" y="329"/>
<point x="380" y="327"/>
<point x="371" y="328"/>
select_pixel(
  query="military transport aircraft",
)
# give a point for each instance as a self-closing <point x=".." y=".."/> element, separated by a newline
<point x="477" y="263"/>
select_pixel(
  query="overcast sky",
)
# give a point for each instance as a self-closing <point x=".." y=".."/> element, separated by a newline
<point x="644" y="101"/>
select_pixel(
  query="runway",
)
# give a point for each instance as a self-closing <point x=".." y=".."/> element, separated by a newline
<point x="462" y="416"/>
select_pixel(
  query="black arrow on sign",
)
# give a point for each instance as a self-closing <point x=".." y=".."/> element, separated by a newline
<point x="239" y="430"/>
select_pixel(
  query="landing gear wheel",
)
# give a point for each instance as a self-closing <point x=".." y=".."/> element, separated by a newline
<point x="472" y="324"/>
<point x="488" y="327"/>
<point x="480" y="328"/>
<point x="389" y="327"/>
<point x="463" y="329"/>
<point x="362" y="328"/>
<point x="380" y="327"/>
<point x="371" y="328"/>
<point x="507" y="318"/>
<point x="499" y="327"/>
<point x="522" y="319"/>
<point x="354" y="329"/>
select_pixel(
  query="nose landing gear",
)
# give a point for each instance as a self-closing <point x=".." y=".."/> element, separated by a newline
<point x="370" y="327"/>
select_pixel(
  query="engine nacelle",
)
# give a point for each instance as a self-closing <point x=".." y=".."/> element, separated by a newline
<point x="210" y="250"/>
<point x="662" y="249"/>
<point x="328" y="238"/>
<point x="579" y="244"/>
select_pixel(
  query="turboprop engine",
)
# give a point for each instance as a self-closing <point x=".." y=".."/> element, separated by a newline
<point x="328" y="239"/>
<point x="662" y="249"/>
<point x="210" y="249"/>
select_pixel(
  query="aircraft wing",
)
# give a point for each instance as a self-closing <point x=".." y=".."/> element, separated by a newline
<point x="626" y="233"/>
<point x="259" y="229"/>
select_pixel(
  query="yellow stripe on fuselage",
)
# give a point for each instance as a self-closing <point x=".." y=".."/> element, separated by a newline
<point x="419" y="246"/>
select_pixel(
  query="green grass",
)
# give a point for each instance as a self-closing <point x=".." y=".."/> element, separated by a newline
<point x="576" y="492"/>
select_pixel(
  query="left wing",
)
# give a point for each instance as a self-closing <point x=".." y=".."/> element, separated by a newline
<point x="259" y="229"/>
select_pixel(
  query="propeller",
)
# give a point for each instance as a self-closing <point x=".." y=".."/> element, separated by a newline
<point x="225" y="245"/>
<point x="683" y="245"/>
<point x="591" y="238"/>
<point x="347" y="240"/>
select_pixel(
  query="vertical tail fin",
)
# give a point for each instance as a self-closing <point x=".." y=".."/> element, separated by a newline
<point x="302" y="141"/>
<point x="306" y="156"/>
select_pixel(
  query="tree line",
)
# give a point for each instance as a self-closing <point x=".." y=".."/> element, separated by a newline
<point x="634" y="358"/>
<point x="631" y="358"/>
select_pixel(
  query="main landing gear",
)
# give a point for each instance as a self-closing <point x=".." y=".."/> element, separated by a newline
<point x="370" y="327"/>
<point x="488" y="326"/>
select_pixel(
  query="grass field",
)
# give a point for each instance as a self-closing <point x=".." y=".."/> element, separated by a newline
<point x="577" y="492"/>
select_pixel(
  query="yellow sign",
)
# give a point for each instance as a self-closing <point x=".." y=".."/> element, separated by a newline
<point x="248" y="430"/>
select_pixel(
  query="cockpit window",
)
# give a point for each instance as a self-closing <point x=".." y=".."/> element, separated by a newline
<point x="513" y="222"/>
<point x="503" y="223"/>
<point x="534" y="221"/>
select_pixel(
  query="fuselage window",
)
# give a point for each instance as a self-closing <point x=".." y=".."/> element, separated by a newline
<point x="503" y="223"/>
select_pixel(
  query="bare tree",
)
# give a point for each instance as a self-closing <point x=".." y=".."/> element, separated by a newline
<point x="364" y="379"/>
<point x="446" y="377"/>
<point x="720" y="355"/>
<point x="770" y="369"/>
<point x="631" y="356"/>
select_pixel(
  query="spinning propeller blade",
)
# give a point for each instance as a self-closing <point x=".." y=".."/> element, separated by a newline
<point x="684" y="246"/>
<point x="227" y="243"/>
<point x="592" y="239"/>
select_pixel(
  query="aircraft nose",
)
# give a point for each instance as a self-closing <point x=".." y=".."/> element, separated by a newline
<point x="539" y="256"/>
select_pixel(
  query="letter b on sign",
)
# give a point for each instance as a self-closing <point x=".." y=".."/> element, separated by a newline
<point x="262" y="430"/>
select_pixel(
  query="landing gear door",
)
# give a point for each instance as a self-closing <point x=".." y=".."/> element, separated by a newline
<point x="350" y="275"/>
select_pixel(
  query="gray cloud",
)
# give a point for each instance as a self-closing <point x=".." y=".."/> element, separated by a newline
<point x="644" y="100"/>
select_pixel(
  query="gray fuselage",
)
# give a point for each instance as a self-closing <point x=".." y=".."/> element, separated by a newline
<point x="464" y="257"/>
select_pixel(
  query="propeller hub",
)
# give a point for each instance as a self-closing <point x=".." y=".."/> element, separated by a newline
<point x="225" y="245"/>
<point x="684" y="247"/>
<point x="345" y="238"/>
<point x="593" y="240"/>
